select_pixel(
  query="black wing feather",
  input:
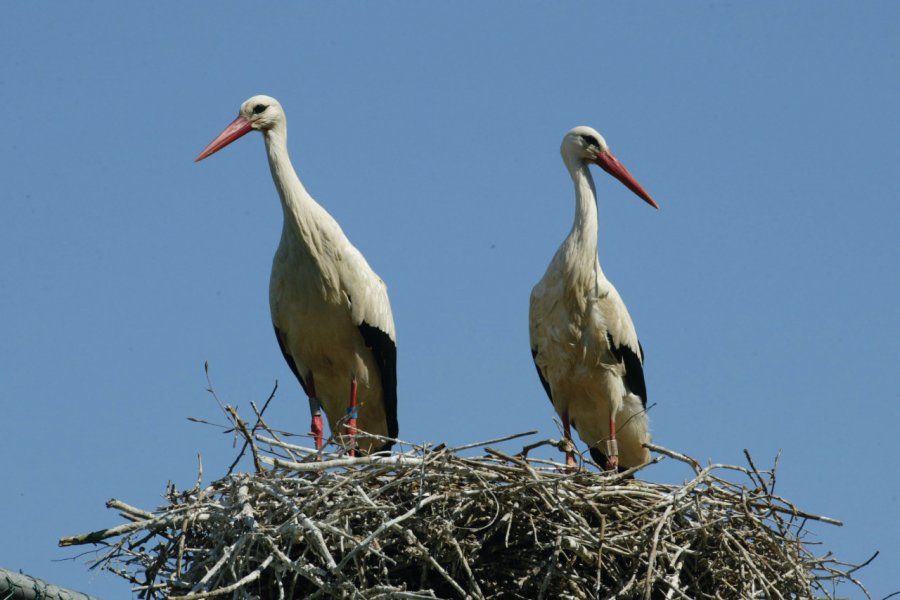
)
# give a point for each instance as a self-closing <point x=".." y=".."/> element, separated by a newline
<point x="634" y="367"/>
<point x="289" y="359"/>
<point x="384" y="350"/>
<point x="541" y="375"/>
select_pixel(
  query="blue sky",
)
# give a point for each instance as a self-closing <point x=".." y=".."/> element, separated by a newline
<point x="765" y="290"/>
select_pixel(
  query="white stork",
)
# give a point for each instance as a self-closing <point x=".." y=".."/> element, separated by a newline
<point x="331" y="312"/>
<point x="583" y="342"/>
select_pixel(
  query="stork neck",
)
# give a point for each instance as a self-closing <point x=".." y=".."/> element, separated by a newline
<point x="584" y="229"/>
<point x="300" y="210"/>
<point x="290" y="189"/>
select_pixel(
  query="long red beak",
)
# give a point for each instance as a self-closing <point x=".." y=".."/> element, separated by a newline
<point x="611" y="165"/>
<point x="240" y="126"/>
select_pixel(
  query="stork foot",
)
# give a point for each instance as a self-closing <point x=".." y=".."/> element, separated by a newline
<point x="568" y="448"/>
<point x="612" y="463"/>
<point x="566" y="444"/>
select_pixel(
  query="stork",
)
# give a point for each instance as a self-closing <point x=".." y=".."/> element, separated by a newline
<point x="583" y="342"/>
<point x="330" y="310"/>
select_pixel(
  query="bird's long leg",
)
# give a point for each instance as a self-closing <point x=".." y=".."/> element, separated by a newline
<point x="612" y="446"/>
<point x="567" y="432"/>
<point x="315" y="410"/>
<point x="352" y="415"/>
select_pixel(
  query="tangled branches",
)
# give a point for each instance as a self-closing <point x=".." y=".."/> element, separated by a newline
<point x="432" y="523"/>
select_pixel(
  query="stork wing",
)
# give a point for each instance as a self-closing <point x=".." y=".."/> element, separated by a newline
<point x="365" y="291"/>
<point x="370" y="310"/>
<point x="289" y="359"/>
<point x="544" y="383"/>
<point x="623" y="342"/>
<point x="540" y="304"/>
<point x="634" y="367"/>
<point x="384" y="350"/>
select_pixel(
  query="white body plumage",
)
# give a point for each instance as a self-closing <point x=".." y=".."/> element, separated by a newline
<point x="583" y="340"/>
<point x="330" y="310"/>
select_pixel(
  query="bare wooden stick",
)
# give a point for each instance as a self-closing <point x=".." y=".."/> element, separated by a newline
<point x="676" y="455"/>
<point x="248" y="439"/>
<point x="493" y="441"/>
<point x="133" y="513"/>
<point x="394" y="459"/>
<point x="102" y="534"/>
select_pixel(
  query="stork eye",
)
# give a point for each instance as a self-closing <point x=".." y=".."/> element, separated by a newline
<point x="590" y="140"/>
<point x="259" y="108"/>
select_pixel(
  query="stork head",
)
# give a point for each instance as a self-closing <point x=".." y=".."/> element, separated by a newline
<point x="584" y="145"/>
<point x="262" y="113"/>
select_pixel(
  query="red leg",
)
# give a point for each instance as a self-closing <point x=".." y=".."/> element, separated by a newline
<point x="352" y="414"/>
<point x="567" y="432"/>
<point x="315" y="410"/>
<point x="612" y="446"/>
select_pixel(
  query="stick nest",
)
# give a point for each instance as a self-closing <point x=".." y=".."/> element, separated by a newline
<point x="432" y="523"/>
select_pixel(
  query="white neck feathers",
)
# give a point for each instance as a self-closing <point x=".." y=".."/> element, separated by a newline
<point x="581" y="242"/>
<point x="307" y="227"/>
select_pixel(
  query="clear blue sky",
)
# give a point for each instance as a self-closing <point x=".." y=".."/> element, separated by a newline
<point x="765" y="291"/>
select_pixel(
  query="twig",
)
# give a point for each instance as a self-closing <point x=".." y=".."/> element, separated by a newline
<point x="248" y="439"/>
<point x="493" y="441"/>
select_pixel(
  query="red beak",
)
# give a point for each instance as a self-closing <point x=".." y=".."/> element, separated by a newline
<point x="611" y="165"/>
<point x="240" y="126"/>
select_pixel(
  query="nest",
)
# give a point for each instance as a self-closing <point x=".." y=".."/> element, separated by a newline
<point x="432" y="523"/>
